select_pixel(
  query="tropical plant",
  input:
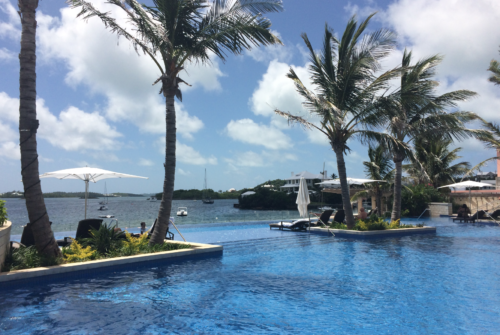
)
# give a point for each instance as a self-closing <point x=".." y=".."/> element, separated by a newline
<point x="3" y="213"/>
<point x="104" y="239"/>
<point x="495" y="70"/>
<point x="344" y="74"/>
<point x="27" y="258"/>
<point x="414" y="111"/>
<point x="379" y="167"/>
<point x="434" y="162"/>
<point x="28" y="125"/>
<point x="415" y="198"/>
<point x="180" y="32"/>
<point x="133" y="246"/>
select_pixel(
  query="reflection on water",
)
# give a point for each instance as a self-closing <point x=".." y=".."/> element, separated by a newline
<point x="130" y="212"/>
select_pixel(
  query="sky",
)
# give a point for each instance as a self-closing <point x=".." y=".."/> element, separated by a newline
<point x="97" y="106"/>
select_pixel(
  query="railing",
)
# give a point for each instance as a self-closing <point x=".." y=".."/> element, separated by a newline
<point x="427" y="209"/>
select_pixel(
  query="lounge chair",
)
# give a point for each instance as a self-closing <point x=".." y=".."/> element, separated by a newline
<point x="27" y="238"/>
<point x="168" y="236"/>
<point x="323" y="218"/>
<point x="339" y="216"/>
<point x="372" y="211"/>
<point x="477" y="216"/>
<point x="298" y="225"/>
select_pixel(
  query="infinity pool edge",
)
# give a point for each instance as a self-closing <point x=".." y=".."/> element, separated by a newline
<point x="373" y="233"/>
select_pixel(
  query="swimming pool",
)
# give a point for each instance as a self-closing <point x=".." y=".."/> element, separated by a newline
<point x="282" y="282"/>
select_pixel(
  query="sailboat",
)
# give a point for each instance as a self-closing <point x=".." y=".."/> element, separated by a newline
<point x="106" y="195"/>
<point x="205" y="198"/>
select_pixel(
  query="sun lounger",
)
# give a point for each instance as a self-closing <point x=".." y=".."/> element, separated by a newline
<point x="323" y="218"/>
<point x="339" y="216"/>
<point x="27" y="238"/>
<point x="372" y="211"/>
<point x="298" y="225"/>
<point x="168" y="236"/>
<point x="477" y="216"/>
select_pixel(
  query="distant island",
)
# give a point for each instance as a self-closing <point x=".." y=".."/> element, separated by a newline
<point x="92" y="195"/>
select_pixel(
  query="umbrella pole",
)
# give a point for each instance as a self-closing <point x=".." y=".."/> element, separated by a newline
<point x="86" y="196"/>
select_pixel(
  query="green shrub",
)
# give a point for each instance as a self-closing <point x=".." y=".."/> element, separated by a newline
<point x="336" y="225"/>
<point x="104" y="239"/>
<point x="76" y="253"/>
<point x="3" y="213"/>
<point x="414" y="199"/>
<point x="27" y="258"/>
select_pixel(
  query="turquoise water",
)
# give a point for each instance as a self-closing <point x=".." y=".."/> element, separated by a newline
<point x="130" y="212"/>
<point x="281" y="283"/>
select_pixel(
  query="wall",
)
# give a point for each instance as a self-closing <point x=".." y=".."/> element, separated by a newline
<point x="4" y="241"/>
<point x="484" y="200"/>
<point x="440" y="208"/>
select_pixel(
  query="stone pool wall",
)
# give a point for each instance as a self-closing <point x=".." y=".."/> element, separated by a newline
<point x="440" y="208"/>
<point x="4" y="241"/>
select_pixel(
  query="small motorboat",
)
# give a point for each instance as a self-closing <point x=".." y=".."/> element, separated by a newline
<point x="106" y="216"/>
<point x="103" y="208"/>
<point x="325" y="208"/>
<point x="182" y="211"/>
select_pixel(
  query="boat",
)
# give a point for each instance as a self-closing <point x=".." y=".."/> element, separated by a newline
<point x="205" y="198"/>
<point x="103" y="208"/>
<point x="152" y="199"/>
<point x="325" y="208"/>
<point x="182" y="211"/>
<point x="106" y="195"/>
<point x="106" y="216"/>
<point x="148" y="199"/>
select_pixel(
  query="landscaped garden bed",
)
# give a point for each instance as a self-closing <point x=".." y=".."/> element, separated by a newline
<point x="374" y="227"/>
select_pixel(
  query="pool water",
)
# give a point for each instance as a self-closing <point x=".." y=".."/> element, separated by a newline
<point x="282" y="282"/>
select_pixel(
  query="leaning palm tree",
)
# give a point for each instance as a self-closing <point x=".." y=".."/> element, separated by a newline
<point x="434" y="163"/>
<point x="415" y="111"/>
<point x="495" y="70"/>
<point x="379" y="167"/>
<point x="344" y="73"/>
<point x="176" y="32"/>
<point x="28" y="125"/>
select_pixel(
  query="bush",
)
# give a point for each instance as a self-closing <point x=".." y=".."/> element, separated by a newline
<point x="104" y="239"/>
<point x="76" y="253"/>
<point x="3" y="213"/>
<point x="336" y="225"/>
<point x="27" y="258"/>
<point x="415" y="198"/>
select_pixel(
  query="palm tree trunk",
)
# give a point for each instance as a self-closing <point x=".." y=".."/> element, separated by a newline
<point x="168" y="184"/>
<point x="28" y="124"/>
<point x="346" y="199"/>
<point x="396" y="205"/>
<point x="379" y="201"/>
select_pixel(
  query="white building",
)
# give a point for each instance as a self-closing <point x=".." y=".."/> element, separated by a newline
<point x="292" y="183"/>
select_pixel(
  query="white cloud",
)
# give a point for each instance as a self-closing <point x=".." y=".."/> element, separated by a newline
<point x="116" y="71"/>
<point x="265" y="158"/>
<point x="282" y="53"/>
<point x="11" y="27"/>
<point x="10" y="150"/>
<point x="73" y="130"/>
<point x="183" y="173"/>
<point x="6" y="54"/>
<point x="145" y="162"/>
<point x="186" y="154"/>
<point x="247" y="131"/>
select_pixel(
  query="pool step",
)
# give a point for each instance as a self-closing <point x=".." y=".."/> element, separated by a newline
<point x="274" y="243"/>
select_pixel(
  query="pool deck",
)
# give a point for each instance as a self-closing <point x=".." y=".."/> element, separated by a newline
<point x="197" y="250"/>
<point x="372" y="233"/>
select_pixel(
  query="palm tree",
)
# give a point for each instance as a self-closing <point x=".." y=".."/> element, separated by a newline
<point x="414" y="111"/>
<point x="495" y="70"/>
<point x="433" y="162"/>
<point x="379" y="167"/>
<point x="28" y="125"/>
<point x="346" y="103"/>
<point x="183" y="31"/>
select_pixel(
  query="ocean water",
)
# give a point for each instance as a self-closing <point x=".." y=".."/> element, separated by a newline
<point x="65" y="213"/>
<point x="275" y="282"/>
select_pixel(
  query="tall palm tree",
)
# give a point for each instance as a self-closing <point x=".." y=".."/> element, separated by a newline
<point x="379" y="167"/>
<point x="344" y="74"/>
<point x="495" y="70"/>
<point x="415" y="111"/>
<point x="28" y="125"/>
<point x="434" y="163"/>
<point x="176" y="32"/>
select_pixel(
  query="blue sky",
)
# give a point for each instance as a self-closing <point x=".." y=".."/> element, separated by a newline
<point x="97" y="106"/>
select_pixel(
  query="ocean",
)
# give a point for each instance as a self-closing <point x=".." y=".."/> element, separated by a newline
<point x="65" y="213"/>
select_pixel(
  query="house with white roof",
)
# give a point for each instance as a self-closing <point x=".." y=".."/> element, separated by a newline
<point x="292" y="183"/>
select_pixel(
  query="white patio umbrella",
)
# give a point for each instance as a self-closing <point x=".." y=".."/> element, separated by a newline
<point x="469" y="184"/>
<point x="303" y="198"/>
<point x="87" y="174"/>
